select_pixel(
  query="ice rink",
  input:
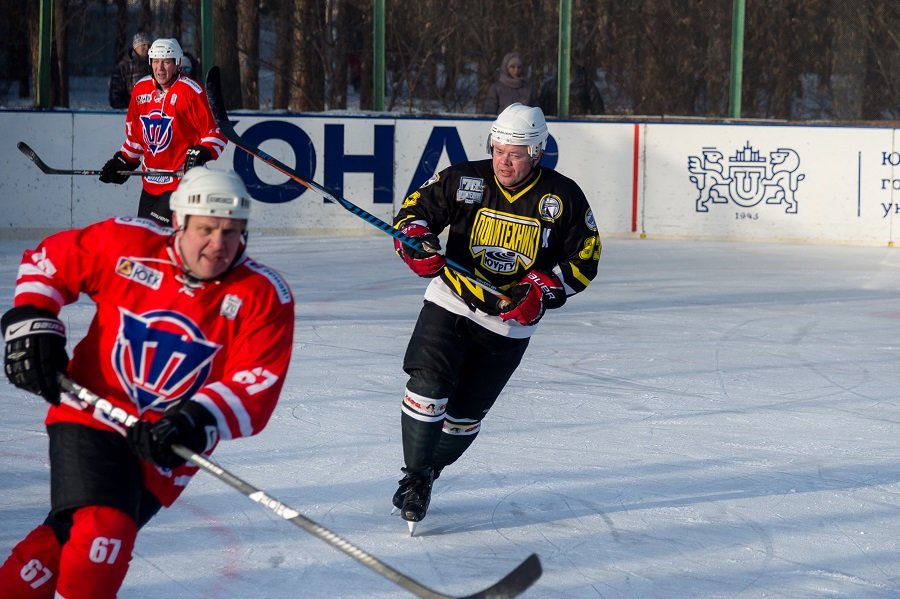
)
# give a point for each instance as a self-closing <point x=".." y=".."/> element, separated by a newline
<point x="707" y="420"/>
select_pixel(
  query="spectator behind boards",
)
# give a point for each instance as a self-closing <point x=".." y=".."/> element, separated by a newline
<point x="190" y="67"/>
<point x="169" y="127"/>
<point x="584" y="95"/>
<point x="510" y="87"/>
<point x="129" y="71"/>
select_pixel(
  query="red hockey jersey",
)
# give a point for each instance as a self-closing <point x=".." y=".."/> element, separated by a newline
<point x="161" y="125"/>
<point x="154" y="341"/>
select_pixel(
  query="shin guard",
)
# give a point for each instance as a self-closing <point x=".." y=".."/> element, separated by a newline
<point x="95" y="558"/>
<point x="31" y="570"/>
<point x="420" y="424"/>
<point x="457" y="434"/>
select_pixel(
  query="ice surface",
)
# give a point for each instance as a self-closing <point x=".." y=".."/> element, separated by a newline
<point x="708" y="419"/>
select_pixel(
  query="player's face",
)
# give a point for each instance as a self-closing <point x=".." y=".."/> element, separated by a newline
<point x="209" y="244"/>
<point x="511" y="164"/>
<point x="164" y="71"/>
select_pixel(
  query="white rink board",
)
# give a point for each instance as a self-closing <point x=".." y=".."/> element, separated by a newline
<point x="843" y="182"/>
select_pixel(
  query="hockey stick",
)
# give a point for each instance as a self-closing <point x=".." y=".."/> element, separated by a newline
<point x="511" y="585"/>
<point x="217" y="105"/>
<point x="49" y="170"/>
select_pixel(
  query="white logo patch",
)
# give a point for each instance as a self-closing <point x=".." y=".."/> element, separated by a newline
<point x="139" y="273"/>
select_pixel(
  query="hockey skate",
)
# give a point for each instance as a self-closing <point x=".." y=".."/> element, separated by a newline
<point x="413" y="495"/>
<point x="404" y="484"/>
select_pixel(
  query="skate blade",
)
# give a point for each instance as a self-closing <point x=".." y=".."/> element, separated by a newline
<point x="412" y="527"/>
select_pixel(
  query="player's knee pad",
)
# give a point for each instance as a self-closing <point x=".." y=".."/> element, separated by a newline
<point x="461" y="427"/>
<point x="425" y="408"/>
<point x="457" y="434"/>
<point x="95" y="558"/>
<point x="421" y="382"/>
<point x="31" y="570"/>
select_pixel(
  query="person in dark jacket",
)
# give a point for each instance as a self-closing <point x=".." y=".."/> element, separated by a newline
<point x="131" y="69"/>
<point x="584" y="95"/>
<point x="510" y="87"/>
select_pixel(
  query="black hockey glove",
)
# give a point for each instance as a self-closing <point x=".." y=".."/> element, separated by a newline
<point x="196" y="156"/>
<point x="35" y="350"/>
<point x="110" y="171"/>
<point x="532" y="296"/>
<point x="187" y="423"/>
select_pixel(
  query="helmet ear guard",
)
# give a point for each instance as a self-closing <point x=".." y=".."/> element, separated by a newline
<point x="520" y="125"/>
<point x="206" y="192"/>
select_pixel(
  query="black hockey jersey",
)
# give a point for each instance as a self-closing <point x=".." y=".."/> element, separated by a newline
<point x="547" y="225"/>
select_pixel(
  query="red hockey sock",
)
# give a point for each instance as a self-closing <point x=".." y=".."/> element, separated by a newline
<point x="96" y="556"/>
<point x="30" y="571"/>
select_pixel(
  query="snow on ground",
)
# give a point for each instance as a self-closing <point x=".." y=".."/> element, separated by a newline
<point x="707" y="420"/>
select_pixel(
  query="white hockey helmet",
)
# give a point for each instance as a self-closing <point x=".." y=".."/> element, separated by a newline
<point x="207" y="192"/>
<point x="166" y="47"/>
<point x="520" y="125"/>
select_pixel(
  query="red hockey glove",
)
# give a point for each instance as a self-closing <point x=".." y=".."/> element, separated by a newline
<point x="535" y="293"/>
<point x="427" y="263"/>
<point x="196" y="156"/>
<point x="35" y="350"/>
<point x="110" y="171"/>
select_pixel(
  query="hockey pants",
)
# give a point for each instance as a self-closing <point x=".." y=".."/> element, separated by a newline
<point x="456" y="369"/>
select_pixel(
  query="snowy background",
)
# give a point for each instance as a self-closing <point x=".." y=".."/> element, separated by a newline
<point x="707" y="420"/>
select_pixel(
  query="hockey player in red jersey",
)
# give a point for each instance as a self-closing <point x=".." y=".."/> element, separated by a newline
<point x="169" y="127"/>
<point x="526" y="229"/>
<point x="190" y="335"/>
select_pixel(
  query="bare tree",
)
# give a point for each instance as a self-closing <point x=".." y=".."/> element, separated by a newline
<point x="284" y="46"/>
<point x="225" y="17"/>
<point x="308" y="72"/>
<point x="60" y="78"/>
<point x="248" y="51"/>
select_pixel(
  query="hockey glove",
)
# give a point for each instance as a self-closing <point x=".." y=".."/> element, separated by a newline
<point x="187" y="423"/>
<point x="110" y="172"/>
<point x="196" y="156"/>
<point x="35" y="350"/>
<point x="427" y="263"/>
<point x="535" y="293"/>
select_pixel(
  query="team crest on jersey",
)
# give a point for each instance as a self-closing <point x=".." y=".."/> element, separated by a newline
<point x="471" y="190"/>
<point x="161" y="357"/>
<point x="157" y="127"/>
<point x="139" y="273"/>
<point x="589" y="220"/>
<point x="550" y="207"/>
<point x="504" y="241"/>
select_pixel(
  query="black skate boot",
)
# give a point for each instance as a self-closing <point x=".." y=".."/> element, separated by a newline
<point x="414" y="494"/>
<point x="405" y="483"/>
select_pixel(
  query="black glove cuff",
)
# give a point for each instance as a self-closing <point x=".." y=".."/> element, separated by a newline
<point x="202" y="422"/>
<point x="31" y="320"/>
<point x="126" y="164"/>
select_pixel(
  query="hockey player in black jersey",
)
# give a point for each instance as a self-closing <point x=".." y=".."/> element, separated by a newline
<point x="525" y="228"/>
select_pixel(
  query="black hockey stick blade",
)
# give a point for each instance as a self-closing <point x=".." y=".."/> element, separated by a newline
<point x="511" y="585"/>
<point x="515" y="583"/>
<point x="220" y="114"/>
<point x="49" y="170"/>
